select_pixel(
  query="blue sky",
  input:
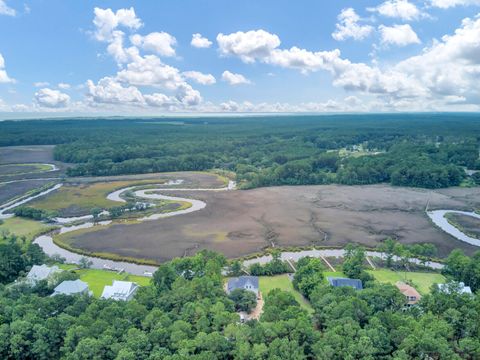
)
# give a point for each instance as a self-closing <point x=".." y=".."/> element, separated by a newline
<point x="140" y="57"/>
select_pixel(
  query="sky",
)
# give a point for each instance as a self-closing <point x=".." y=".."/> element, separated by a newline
<point x="210" y="56"/>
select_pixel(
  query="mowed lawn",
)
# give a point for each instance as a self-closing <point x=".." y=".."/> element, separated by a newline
<point x="24" y="227"/>
<point x="98" y="279"/>
<point x="282" y="282"/>
<point x="421" y="281"/>
<point x="333" y="274"/>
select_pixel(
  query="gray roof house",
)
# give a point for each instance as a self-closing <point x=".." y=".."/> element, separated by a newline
<point x="120" y="290"/>
<point x="249" y="283"/>
<point x="456" y="287"/>
<point x="72" y="287"/>
<point x="339" y="282"/>
<point x="41" y="272"/>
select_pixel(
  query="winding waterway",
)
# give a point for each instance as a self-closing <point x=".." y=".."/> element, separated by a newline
<point x="439" y="219"/>
<point x="50" y="248"/>
<point x="17" y="202"/>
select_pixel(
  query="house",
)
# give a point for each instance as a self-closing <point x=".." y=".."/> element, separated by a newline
<point x="249" y="283"/>
<point x="72" y="287"/>
<point x="41" y="272"/>
<point x="120" y="290"/>
<point x="410" y="293"/>
<point x="339" y="282"/>
<point x="456" y="287"/>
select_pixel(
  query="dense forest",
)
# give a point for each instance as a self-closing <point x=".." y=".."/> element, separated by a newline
<point x="420" y="150"/>
<point x="185" y="314"/>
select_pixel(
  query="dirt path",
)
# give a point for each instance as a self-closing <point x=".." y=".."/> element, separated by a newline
<point x="257" y="312"/>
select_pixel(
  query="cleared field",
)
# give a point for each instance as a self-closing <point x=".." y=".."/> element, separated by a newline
<point x="98" y="279"/>
<point x="466" y="224"/>
<point x="421" y="281"/>
<point x="24" y="227"/>
<point x="282" y="282"/>
<point x="239" y="223"/>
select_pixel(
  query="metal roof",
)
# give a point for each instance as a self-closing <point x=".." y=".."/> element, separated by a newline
<point x="338" y="282"/>
<point x="241" y="281"/>
<point x="71" y="287"/>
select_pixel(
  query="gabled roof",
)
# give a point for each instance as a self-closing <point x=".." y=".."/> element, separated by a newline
<point x="70" y="287"/>
<point x="242" y="281"/>
<point x="120" y="290"/>
<point x="408" y="291"/>
<point x="338" y="282"/>
<point x="41" y="272"/>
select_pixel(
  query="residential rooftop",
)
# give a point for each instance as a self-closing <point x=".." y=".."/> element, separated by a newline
<point x="339" y="282"/>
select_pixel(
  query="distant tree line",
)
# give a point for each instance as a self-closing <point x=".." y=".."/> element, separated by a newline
<point x="420" y="150"/>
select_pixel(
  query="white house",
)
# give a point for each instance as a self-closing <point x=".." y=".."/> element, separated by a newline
<point x="455" y="287"/>
<point x="249" y="283"/>
<point x="41" y="272"/>
<point x="120" y="290"/>
<point x="72" y="287"/>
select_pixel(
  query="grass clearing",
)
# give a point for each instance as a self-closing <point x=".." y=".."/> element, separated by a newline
<point x="85" y="196"/>
<point x="420" y="280"/>
<point x="75" y="199"/>
<point x="24" y="227"/>
<point x="282" y="282"/>
<point x="82" y="198"/>
<point x="98" y="279"/>
<point x="333" y="274"/>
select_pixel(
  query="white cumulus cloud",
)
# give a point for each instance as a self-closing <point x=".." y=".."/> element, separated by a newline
<point x="400" y="35"/>
<point x="160" y="43"/>
<point x="348" y="26"/>
<point x="249" y="46"/>
<point x="200" y="78"/>
<point x="199" y="41"/>
<point x="161" y="100"/>
<point x="64" y="86"/>
<point x="4" y="78"/>
<point x="6" y="10"/>
<point x="51" y="98"/>
<point x="110" y="91"/>
<point x="402" y="9"/>
<point x="449" y="67"/>
<point x="445" y="4"/>
<point x="150" y="71"/>
<point x="106" y="21"/>
<point x="234" y="79"/>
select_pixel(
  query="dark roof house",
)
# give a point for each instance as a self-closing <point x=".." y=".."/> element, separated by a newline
<point x="249" y="283"/>
<point x="339" y="282"/>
